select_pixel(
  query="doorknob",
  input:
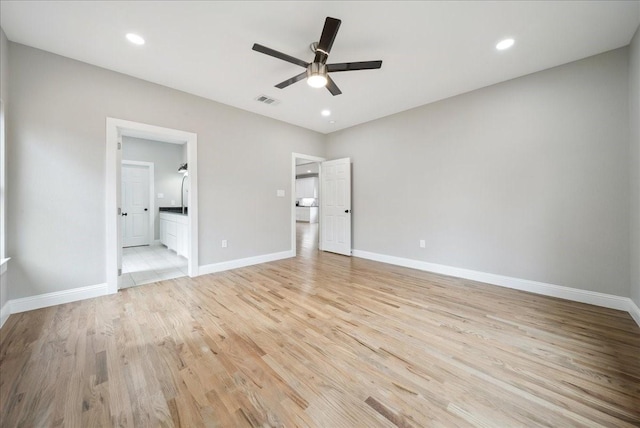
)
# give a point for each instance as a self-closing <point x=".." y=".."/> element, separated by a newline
<point x="346" y="211"/>
<point x="124" y="214"/>
<point x="146" y="209"/>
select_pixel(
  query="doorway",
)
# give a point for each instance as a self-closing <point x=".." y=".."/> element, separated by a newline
<point x="305" y="195"/>
<point x="307" y="207"/>
<point x="152" y="204"/>
<point x="116" y="129"/>
<point x="334" y="208"/>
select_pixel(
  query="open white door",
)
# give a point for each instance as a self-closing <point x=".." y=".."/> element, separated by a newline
<point x="135" y="205"/>
<point x="335" y="206"/>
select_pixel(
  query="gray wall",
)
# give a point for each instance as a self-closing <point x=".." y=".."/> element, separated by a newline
<point x="4" y="66"/>
<point x="56" y="155"/>
<point x="527" y="178"/>
<point x="166" y="158"/>
<point x="4" y="93"/>
<point x="634" y="138"/>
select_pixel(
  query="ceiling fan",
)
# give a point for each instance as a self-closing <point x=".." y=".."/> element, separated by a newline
<point x="317" y="72"/>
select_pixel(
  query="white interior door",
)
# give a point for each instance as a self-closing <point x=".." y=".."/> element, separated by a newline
<point x="335" y="206"/>
<point x="135" y="205"/>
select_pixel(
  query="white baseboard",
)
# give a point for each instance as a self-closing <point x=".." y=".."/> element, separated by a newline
<point x="57" y="298"/>
<point x="5" y="311"/>
<point x="66" y="296"/>
<point x="591" y="297"/>
<point x="238" y="263"/>
<point x="568" y="293"/>
<point x="634" y="311"/>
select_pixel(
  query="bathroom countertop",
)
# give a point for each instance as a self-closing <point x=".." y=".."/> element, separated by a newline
<point x="175" y="210"/>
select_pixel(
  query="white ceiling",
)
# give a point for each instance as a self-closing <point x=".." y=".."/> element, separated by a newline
<point x="430" y="50"/>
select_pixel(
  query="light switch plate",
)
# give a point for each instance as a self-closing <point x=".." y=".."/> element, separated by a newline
<point x="160" y="195"/>
<point x="280" y="193"/>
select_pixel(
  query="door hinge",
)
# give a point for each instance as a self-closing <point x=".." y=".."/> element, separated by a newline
<point x="119" y="145"/>
<point x="119" y="211"/>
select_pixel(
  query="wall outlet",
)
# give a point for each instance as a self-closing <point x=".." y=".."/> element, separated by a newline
<point x="160" y="195"/>
<point x="173" y="202"/>
<point x="423" y="244"/>
<point x="280" y="193"/>
<point x="224" y="243"/>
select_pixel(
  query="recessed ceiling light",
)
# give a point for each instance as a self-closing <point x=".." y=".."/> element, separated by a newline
<point x="326" y="113"/>
<point x="505" y="44"/>
<point x="135" y="39"/>
<point x="308" y="170"/>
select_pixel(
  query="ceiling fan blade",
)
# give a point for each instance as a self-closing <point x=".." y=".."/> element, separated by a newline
<point x="351" y="66"/>
<point x="332" y="87"/>
<point x="329" y="33"/>
<point x="268" y="51"/>
<point x="291" y="81"/>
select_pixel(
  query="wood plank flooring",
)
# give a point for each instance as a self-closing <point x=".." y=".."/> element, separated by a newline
<point x="320" y="341"/>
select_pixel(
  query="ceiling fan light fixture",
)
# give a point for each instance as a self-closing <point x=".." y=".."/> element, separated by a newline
<point x="317" y="81"/>
<point x="317" y="75"/>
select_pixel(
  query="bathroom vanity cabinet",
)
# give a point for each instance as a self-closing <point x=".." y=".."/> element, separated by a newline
<point x="174" y="232"/>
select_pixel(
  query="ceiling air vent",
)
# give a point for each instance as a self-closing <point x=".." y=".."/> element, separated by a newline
<point x="266" y="100"/>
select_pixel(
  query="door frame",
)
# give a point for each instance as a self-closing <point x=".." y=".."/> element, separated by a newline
<point x="152" y="191"/>
<point x="115" y="130"/>
<point x="311" y="158"/>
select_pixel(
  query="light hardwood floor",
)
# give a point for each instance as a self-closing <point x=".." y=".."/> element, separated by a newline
<point x="323" y="341"/>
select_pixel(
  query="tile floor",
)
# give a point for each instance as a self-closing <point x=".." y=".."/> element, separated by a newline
<point x="143" y="265"/>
